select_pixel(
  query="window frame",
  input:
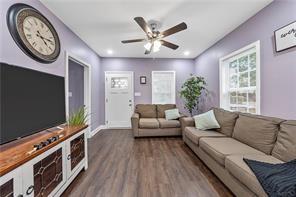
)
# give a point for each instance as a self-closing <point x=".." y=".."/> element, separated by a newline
<point x="223" y="82"/>
<point x="173" y="86"/>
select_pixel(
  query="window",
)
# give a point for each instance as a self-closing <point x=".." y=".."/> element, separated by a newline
<point x="119" y="82"/>
<point x="240" y="80"/>
<point x="163" y="87"/>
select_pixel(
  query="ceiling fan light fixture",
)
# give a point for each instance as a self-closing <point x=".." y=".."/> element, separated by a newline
<point x="156" y="46"/>
<point x="147" y="46"/>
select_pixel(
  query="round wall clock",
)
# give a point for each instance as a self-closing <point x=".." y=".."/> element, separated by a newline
<point x="33" y="33"/>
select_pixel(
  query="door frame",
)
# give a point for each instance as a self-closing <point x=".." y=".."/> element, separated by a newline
<point x="132" y="88"/>
<point x="87" y="86"/>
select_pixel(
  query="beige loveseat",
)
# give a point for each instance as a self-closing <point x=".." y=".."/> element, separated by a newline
<point x="149" y="120"/>
<point x="260" y="138"/>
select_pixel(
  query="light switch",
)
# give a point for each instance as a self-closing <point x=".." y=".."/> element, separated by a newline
<point x="70" y="94"/>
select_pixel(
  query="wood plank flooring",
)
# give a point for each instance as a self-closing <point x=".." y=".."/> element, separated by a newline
<point x="120" y="165"/>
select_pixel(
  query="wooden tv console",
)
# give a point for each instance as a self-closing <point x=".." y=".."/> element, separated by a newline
<point x="25" y="171"/>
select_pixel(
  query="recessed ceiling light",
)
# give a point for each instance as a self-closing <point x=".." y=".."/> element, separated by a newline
<point x="186" y="53"/>
<point x="110" y="52"/>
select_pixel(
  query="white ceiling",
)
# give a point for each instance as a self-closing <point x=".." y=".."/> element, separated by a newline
<point x="102" y="24"/>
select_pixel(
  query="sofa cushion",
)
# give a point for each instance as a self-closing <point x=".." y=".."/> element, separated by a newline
<point x="172" y="114"/>
<point x="163" y="123"/>
<point x="161" y="109"/>
<point x="148" y="123"/>
<point x="206" y="121"/>
<point x="220" y="148"/>
<point x="257" y="131"/>
<point x="146" y="110"/>
<point x="241" y="171"/>
<point x="285" y="146"/>
<point x="195" y="134"/>
<point x="226" y="120"/>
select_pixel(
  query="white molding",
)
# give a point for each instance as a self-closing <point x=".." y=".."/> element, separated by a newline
<point x="96" y="130"/>
<point x="174" y="84"/>
<point x="255" y="45"/>
<point x="87" y="85"/>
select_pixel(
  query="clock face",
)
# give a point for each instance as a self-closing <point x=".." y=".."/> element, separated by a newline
<point x="33" y="33"/>
<point x="39" y="35"/>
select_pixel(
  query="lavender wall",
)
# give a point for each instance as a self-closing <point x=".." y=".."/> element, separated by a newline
<point x="144" y="67"/>
<point x="10" y="52"/>
<point x="278" y="70"/>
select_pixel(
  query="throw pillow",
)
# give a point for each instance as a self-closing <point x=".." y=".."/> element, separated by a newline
<point x="172" y="114"/>
<point x="276" y="179"/>
<point x="206" y="121"/>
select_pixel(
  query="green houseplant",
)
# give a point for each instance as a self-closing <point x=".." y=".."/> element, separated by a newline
<point x="78" y="117"/>
<point x="191" y="91"/>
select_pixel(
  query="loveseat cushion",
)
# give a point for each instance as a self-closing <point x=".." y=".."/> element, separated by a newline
<point x="161" y="109"/>
<point x="148" y="123"/>
<point x="163" y="123"/>
<point x="195" y="134"/>
<point x="285" y="146"/>
<point x="241" y="171"/>
<point x="257" y="131"/>
<point x="220" y="148"/>
<point x="226" y="120"/>
<point x="146" y="110"/>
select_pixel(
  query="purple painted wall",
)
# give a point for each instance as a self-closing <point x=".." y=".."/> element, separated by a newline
<point x="12" y="54"/>
<point x="278" y="70"/>
<point x="144" y="67"/>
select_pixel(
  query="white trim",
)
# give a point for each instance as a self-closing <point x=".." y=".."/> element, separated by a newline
<point x="132" y="88"/>
<point x="174" y="84"/>
<point x="255" y="45"/>
<point x="87" y="85"/>
<point x="98" y="129"/>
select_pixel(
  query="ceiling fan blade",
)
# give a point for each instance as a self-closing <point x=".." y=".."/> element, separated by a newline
<point x="133" y="40"/>
<point x="173" y="30"/>
<point x="142" y="23"/>
<point x="169" y="44"/>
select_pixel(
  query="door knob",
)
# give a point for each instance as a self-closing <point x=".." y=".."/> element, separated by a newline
<point x="30" y="190"/>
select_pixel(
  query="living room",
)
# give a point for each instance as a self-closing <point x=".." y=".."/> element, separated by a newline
<point x="148" y="98"/>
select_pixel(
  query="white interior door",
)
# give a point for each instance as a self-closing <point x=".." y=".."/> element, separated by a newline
<point x="119" y="98"/>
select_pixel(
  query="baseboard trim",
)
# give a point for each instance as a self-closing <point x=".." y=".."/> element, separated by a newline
<point x="96" y="130"/>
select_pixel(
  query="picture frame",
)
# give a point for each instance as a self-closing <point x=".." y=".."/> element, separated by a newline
<point x="143" y="80"/>
<point x="285" y="37"/>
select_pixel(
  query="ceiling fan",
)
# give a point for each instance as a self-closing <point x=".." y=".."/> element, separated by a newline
<point x="154" y="37"/>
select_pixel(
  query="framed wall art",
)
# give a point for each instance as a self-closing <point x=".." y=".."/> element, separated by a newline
<point x="285" y="37"/>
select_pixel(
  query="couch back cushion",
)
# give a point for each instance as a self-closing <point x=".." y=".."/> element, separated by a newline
<point x="285" y="146"/>
<point x="146" y="110"/>
<point x="226" y="120"/>
<point x="162" y="108"/>
<point x="259" y="132"/>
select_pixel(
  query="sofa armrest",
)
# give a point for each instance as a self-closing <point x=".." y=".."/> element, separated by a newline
<point x="186" y="122"/>
<point x="135" y="124"/>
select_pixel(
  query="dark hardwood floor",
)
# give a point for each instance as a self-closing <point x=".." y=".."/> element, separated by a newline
<point x="120" y="165"/>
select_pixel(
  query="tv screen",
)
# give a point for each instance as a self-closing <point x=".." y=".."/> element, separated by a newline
<point x="31" y="101"/>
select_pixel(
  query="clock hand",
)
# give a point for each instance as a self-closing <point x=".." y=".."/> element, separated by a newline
<point x="42" y="38"/>
<point x="38" y="35"/>
<point x="48" y="40"/>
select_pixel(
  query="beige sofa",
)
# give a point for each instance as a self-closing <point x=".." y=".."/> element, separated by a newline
<point x="149" y="120"/>
<point x="261" y="138"/>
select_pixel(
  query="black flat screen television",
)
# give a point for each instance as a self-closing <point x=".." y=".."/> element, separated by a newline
<point x="31" y="101"/>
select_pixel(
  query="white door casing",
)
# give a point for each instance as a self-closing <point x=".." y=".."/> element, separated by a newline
<point x="119" y="98"/>
<point x="87" y="87"/>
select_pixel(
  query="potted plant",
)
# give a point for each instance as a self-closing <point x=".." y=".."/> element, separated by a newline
<point x="191" y="91"/>
<point x="78" y="117"/>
